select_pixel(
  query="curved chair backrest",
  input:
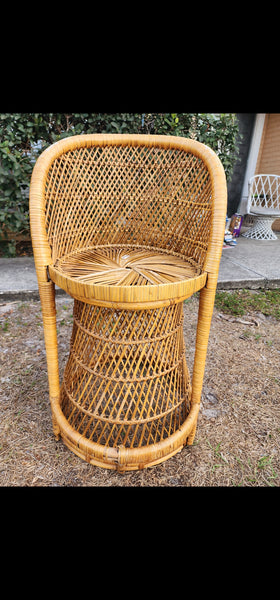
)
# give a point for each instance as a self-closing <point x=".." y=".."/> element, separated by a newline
<point x="162" y="191"/>
<point x="264" y="194"/>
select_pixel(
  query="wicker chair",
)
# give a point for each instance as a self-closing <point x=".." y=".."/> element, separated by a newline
<point x="264" y="205"/>
<point x="130" y="226"/>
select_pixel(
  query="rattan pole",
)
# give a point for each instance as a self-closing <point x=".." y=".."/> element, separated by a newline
<point x="47" y="297"/>
<point x="206" y="304"/>
<point x="207" y="294"/>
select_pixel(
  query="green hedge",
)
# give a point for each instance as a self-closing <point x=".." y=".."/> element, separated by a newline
<point x="23" y="136"/>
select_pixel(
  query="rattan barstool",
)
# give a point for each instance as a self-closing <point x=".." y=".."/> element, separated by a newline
<point x="130" y="226"/>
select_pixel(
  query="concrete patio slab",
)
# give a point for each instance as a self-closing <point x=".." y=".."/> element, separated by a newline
<point x="250" y="264"/>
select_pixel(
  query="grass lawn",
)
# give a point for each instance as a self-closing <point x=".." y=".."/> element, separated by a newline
<point x="241" y="302"/>
<point x="238" y="435"/>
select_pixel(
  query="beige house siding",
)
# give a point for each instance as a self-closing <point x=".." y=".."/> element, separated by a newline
<point x="269" y="153"/>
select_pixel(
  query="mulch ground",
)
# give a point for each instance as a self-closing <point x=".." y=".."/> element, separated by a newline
<point x="238" y="435"/>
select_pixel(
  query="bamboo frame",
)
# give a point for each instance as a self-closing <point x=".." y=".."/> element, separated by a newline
<point x="130" y="226"/>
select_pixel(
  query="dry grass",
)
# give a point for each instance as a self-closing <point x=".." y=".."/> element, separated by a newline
<point x="238" y="435"/>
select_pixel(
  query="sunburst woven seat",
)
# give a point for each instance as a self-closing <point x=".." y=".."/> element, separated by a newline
<point x="130" y="226"/>
<point x="115" y="273"/>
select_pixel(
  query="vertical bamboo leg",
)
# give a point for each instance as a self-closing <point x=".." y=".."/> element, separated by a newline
<point x="191" y="437"/>
<point x="206" y="305"/>
<point x="47" y="296"/>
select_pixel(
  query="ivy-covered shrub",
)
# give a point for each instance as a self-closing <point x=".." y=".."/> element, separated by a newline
<point x="23" y="136"/>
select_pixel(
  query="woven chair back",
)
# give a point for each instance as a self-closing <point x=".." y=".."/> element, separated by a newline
<point x="264" y="194"/>
<point x="135" y="193"/>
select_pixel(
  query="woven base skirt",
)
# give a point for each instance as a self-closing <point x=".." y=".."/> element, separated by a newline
<point x="126" y="388"/>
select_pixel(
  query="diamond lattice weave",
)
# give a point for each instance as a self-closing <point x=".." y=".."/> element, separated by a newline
<point x="126" y="381"/>
<point x="261" y="229"/>
<point x="129" y="195"/>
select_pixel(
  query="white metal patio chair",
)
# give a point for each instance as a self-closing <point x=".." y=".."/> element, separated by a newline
<point x="264" y="205"/>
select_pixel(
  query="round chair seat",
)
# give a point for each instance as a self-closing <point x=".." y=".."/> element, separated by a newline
<point x="127" y="274"/>
<point x="265" y="212"/>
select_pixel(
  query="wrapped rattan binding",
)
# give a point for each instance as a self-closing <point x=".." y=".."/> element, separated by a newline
<point x="129" y="226"/>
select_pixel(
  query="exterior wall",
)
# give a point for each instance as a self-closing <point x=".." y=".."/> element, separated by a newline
<point x="269" y="153"/>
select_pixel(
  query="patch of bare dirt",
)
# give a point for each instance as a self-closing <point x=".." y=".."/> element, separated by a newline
<point x="238" y="435"/>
